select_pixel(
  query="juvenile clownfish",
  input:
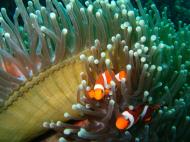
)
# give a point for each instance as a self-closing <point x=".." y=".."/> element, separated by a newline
<point x="81" y="123"/>
<point x="102" y="85"/>
<point x="130" y="117"/>
<point x="13" y="70"/>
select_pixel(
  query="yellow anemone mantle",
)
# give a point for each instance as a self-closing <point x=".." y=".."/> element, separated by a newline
<point x="45" y="97"/>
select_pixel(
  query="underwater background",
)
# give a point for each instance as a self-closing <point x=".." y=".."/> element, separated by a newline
<point x="172" y="121"/>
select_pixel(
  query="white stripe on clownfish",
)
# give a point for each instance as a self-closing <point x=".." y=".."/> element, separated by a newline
<point x="117" y="77"/>
<point x="130" y="117"/>
<point x="105" y="79"/>
<point x="105" y="82"/>
<point x="144" y="111"/>
<point x="102" y="85"/>
<point x="99" y="86"/>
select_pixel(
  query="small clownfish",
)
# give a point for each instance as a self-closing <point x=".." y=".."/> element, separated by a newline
<point x="102" y="85"/>
<point x="13" y="70"/>
<point x="82" y="123"/>
<point x="130" y="117"/>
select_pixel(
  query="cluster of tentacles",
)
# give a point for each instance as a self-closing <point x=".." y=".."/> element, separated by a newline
<point x="109" y="36"/>
<point x="156" y="59"/>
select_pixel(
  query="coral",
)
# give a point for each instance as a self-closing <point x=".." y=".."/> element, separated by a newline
<point x="40" y="68"/>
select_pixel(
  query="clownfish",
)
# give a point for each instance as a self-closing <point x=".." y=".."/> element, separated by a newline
<point x="102" y="85"/>
<point x="130" y="117"/>
<point x="82" y="123"/>
<point x="13" y="70"/>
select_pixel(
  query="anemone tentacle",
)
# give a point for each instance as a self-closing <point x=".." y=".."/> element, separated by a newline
<point x="155" y="57"/>
<point x="105" y="35"/>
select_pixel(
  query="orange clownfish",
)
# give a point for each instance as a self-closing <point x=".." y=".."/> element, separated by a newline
<point x="102" y="85"/>
<point x="82" y="123"/>
<point x="130" y="117"/>
<point x="12" y="69"/>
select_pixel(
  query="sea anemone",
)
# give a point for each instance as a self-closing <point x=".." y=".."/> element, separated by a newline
<point x="41" y="70"/>
<point x="181" y="8"/>
<point x="155" y="57"/>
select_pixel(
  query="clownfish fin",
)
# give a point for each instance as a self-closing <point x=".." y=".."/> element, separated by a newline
<point x="107" y="92"/>
<point x="119" y="76"/>
<point x="100" y="80"/>
<point x="90" y="94"/>
<point x="146" y="120"/>
<point x="157" y="106"/>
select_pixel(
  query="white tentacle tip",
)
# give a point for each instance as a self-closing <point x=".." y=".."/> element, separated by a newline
<point x="91" y="59"/>
<point x="123" y="80"/>
<point x="82" y="57"/>
<point x="45" y="124"/>
<point x="67" y="131"/>
<point x="61" y="139"/>
<point x="7" y="35"/>
<point x="59" y="123"/>
<point x="109" y="47"/>
<point x="113" y="84"/>
<point x="112" y="102"/>
<point x="52" y="125"/>
<point x="66" y="115"/>
<point x="65" y="31"/>
<point x="131" y="13"/>
<point x="103" y="54"/>
<point x="96" y="61"/>
<point x="52" y="15"/>
<point x="107" y="62"/>
<point x="128" y="67"/>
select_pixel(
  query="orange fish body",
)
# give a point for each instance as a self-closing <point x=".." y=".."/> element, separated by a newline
<point x="130" y="117"/>
<point x="13" y="70"/>
<point x="81" y="123"/>
<point x="103" y="81"/>
<point x="102" y="85"/>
